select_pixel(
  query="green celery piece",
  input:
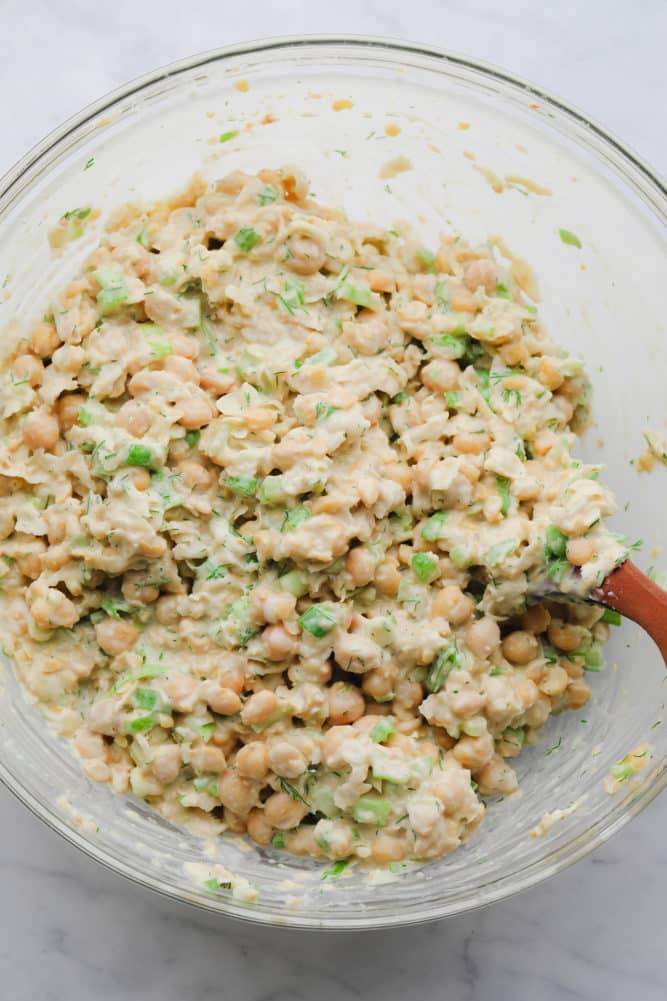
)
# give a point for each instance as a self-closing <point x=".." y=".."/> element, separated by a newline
<point x="425" y="567"/>
<point x="499" y="551"/>
<point x="372" y="810"/>
<point x="113" y="291"/>
<point x="503" y="488"/>
<point x="431" y="529"/>
<point x="383" y="730"/>
<point x="267" y="195"/>
<point x="139" y="455"/>
<point x="318" y="621"/>
<point x="611" y="617"/>
<point x="335" y="870"/>
<point x="272" y="490"/>
<point x="226" y="136"/>
<point x="294" y="517"/>
<point x="245" y="486"/>
<point x="140" y="724"/>
<point x="246" y="239"/>
<point x="295" y="581"/>
<point x="447" y="659"/>
<point x="571" y="239"/>
<point x="359" y="295"/>
<point x="555" y="542"/>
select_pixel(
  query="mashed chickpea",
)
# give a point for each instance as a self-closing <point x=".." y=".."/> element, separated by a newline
<point x="274" y="489"/>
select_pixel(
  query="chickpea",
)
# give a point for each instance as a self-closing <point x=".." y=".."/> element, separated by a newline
<point x="578" y="693"/>
<point x="41" y="430"/>
<point x="223" y="701"/>
<point x="401" y="473"/>
<point x="115" y="636"/>
<point x="182" y="692"/>
<point x="483" y="636"/>
<point x="267" y="605"/>
<point x="54" y="610"/>
<point x="252" y="760"/>
<point x="538" y="713"/>
<point x="497" y="779"/>
<point x="407" y="694"/>
<point x="233" y="674"/>
<point x="139" y="477"/>
<point x="278" y="643"/>
<point x="134" y="417"/>
<point x="166" y="610"/>
<point x="555" y="681"/>
<point x="520" y="647"/>
<point x="440" y="375"/>
<point x="166" y="762"/>
<point x="543" y="442"/>
<point x="284" y="812"/>
<point x="233" y="823"/>
<point x="527" y="692"/>
<point x="286" y="760"/>
<point x="387" y="848"/>
<point x="470" y="443"/>
<point x="194" y="412"/>
<point x="580" y="551"/>
<point x="260" y="418"/>
<point x="30" y="564"/>
<point x="182" y="368"/>
<point x="44" y="340"/>
<point x="136" y="591"/>
<point x="467" y="702"/>
<point x="205" y="759"/>
<point x="331" y="745"/>
<point x="564" y="636"/>
<point x="186" y="347"/>
<point x="67" y="409"/>
<point x="216" y="382"/>
<point x="259" y="707"/>
<point x="378" y="684"/>
<point x="346" y="703"/>
<point x="387" y="577"/>
<point x="548" y="374"/>
<point x="307" y="257"/>
<point x="480" y="272"/>
<point x="474" y="752"/>
<point x="27" y="368"/>
<point x="452" y="604"/>
<point x="536" y="619"/>
<point x="56" y="557"/>
<point x="259" y="829"/>
<point x="236" y="793"/>
<point x="360" y="565"/>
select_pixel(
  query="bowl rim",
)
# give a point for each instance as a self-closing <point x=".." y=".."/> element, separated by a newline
<point x="652" y="189"/>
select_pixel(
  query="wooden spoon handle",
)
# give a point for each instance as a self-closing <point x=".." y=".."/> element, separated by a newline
<point x="633" y="594"/>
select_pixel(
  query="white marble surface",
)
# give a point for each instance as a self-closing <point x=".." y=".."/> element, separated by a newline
<point x="74" y="932"/>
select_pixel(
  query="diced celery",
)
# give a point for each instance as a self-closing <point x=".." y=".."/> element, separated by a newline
<point x="432" y="528"/>
<point x="295" y="581"/>
<point x="140" y="455"/>
<point x="499" y="551"/>
<point x="246" y="239"/>
<point x="113" y="291"/>
<point x="425" y="567"/>
<point x="446" y="660"/>
<point x="383" y="730"/>
<point x="294" y="517"/>
<point x="460" y="557"/>
<point x="372" y="810"/>
<point x="318" y="620"/>
<point x="245" y="486"/>
<point x="272" y="490"/>
<point x="611" y="617"/>
<point x="503" y="488"/>
<point x="140" y="724"/>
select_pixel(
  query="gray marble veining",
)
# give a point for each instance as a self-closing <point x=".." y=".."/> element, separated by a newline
<point x="75" y="932"/>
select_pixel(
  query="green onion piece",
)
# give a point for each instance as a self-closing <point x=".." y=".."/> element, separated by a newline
<point x="425" y="567"/>
<point x="295" y="581"/>
<point x="460" y="557"/>
<point x="503" y="488"/>
<point x="432" y="528"/>
<point x="383" y="730"/>
<point x="455" y="345"/>
<point x="272" y="490"/>
<point x="323" y="410"/>
<point x="84" y="417"/>
<point x="611" y="617"/>
<point x="243" y="485"/>
<point x="147" y="671"/>
<point x="426" y="258"/>
<point x="484" y="385"/>
<point x="318" y="621"/>
<point x="452" y="399"/>
<point x="140" y="724"/>
<point x="323" y="357"/>
<point x="278" y="841"/>
<point x="226" y="136"/>
<point x="293" y="296"/>
<point x="570" y="238"/>
<point x="139" y="455"/>
<point x="113" y="291"/>
<point x="145" y="698"/>
<point x="335" y="870"/>
<point x="555" y="542"/>
<point x="77" y="214"/>
<point x="294" y="517"/>
<point x="214" y="884"/>
<point x="192" y="438"/>
<point x="501" y="291"/>
<point x="593" y="660"/>
<point x="499" y="551"/>
<point x="447" y="659"/>
<point x="496" y="670"/>
<point x="372" y="810"/>
<point x="267" y="195"/>
<point x="360" y="295"/>
<point x="246" y="238"/>
<point x="114" y="606"/>
<point x="621" y="771"/>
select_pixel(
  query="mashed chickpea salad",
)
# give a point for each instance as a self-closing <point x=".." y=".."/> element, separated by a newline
<point x="276" y="489"/>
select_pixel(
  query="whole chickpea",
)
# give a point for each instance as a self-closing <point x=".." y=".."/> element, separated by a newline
<point x="346" y="703"/>
<point x="134" y="417"/>
<point x="182" y="368"/>
<point x="474" y="752"/>
<point x="480" y="272"/>
<point x="259" y="707"/>
<point x="452" y="604"/>
<point x="360" y="565"/>
<point x="497" y="778"/>
<point x="535" y="619"/>
<point x="520" y="647"/>
<point x="135" y="590"/>
<point x="252" y="760"/>
<point x="331" y="745"/>
<point x="53" y="610"/>
<point x="387" y="577"/>
<point x="284" y="812"/>
<point x="41" y="430"/>
<point x="378" y="684"/>
<point x="440" y="375"/>
<point x="278" y="643"/>
<point x="286" y="760"/>
<point x="555" y="681"/>
<point x="28" y="368"/>
<point x="223" y="701"/>
<point x="44" y="340"/>
<point x="216" y="382"/>
<point x="187" y="347"/>
<point x="578" y="694"/>
<point x="194" y="412"/>
<point x="115" y="636"/>
<point x="259" y="828"/>
<point x="387" y="848"/>
<point x="236" y="793"/>
<point x="565" y="636"/>
<point x="483" y="636"/>
<point x="166" y="610"/>
<point x="580" y="551"/>
<point x="307" y="257"/>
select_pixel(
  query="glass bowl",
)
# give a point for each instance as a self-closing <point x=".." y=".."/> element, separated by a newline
<point x="344" y="108"/>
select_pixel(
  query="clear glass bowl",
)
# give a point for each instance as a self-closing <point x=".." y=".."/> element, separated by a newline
<point x="603" y="302"/>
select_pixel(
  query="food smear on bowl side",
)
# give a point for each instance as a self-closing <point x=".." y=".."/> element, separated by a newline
<point x="275" y="487"/>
